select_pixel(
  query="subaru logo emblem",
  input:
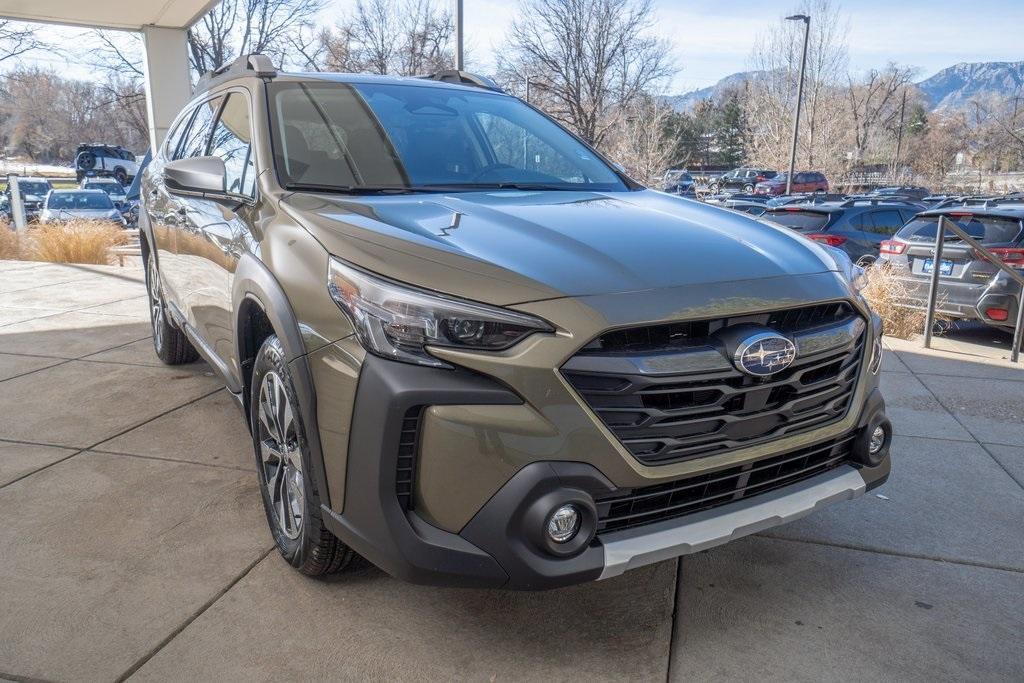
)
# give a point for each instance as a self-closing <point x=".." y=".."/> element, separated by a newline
<point x="764" y="353"/>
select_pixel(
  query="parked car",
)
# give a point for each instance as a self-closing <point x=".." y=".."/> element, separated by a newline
<point x="857" y="226"/>
<point x="64" y="205"/>
<point x="805" y="181"/>
<point x="970" y="286"/>
<point x="803" y="198"/>
<point x="114" y="189"/>
<point x="105" y="161"/>
<point x="741" y="179"/>
<point x="913" y="192"/>
<point x="746" y="206"/>
<point x="130" y="209"/>
<point x="471" y="368"/>
<point x="33" y="193"/>
<point x="678" y="182"/>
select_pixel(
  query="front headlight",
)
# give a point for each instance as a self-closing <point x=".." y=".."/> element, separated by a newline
<point x="853" y="273"/>
<point x="398" y="322"/>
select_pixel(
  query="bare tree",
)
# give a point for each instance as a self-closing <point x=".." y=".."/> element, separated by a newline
<point x="592" y="59"/>
<point x="874" y="104"/>
<point x="17" y="39"/>
<point x="641" y="141"/>
<point x="771" y="94"/>
<point x="236" y="27"/>
<point x="1001" y="119"/>
<point x="384" y="37"/>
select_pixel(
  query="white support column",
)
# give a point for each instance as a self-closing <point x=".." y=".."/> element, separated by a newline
<point x="168" y="86"/>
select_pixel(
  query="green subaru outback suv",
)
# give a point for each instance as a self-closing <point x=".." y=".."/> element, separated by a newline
<point x="472" y="351"/>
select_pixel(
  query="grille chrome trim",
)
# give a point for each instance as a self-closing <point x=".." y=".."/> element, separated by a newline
<point x="664" y="410"/>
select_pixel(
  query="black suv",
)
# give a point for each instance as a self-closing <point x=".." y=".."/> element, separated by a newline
<point x="857" y="226"/>
<point x="970" y="286"/>
<point x="742" y="179"/>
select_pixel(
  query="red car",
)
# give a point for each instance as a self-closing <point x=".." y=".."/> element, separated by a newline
<point x="805" y="181"/>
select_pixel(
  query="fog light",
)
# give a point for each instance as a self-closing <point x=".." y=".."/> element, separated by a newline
<point x="877" y="440"/>
<point x="564" y="523"/>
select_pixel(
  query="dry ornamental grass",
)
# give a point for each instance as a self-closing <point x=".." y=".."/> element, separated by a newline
<point x="885" y="291"/>
<point x="90" y="242"/>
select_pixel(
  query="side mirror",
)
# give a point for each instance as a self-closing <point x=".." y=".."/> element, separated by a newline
<point x="195" y="175"/>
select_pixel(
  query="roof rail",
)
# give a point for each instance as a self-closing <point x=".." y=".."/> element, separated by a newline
<point x="245" y="65"/>
<point x="463" y="78"/>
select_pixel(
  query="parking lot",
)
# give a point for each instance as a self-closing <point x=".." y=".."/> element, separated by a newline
<point x="135" y="546"/>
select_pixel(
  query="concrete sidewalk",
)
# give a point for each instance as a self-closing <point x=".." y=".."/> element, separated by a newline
<point x="135" y="546"/>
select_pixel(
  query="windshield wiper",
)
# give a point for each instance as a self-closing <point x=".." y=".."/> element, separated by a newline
<point x="349" y="189"/>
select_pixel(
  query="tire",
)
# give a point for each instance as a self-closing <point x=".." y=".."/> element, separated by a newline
<point x="121" y="176"/>
<point x="171" y="345"/>
<point x="290" y="499"/>
<point x="86" y="161"/>
<point x="748" y="189"/>
<point x="714" y="188"/>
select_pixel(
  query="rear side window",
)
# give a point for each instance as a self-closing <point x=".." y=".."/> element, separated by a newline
<point x="798" y="220"/>
<point x="231" y="143"/>
<point x="985" y="229"/>
<point x="886" y="222"/>
<point x="193" y="142"/>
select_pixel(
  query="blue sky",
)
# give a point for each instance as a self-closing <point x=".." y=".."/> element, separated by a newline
<point x="711" y="40"/>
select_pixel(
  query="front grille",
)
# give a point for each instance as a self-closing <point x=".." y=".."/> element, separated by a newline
<point x="408" y="447"/>
<point x="666" y="418"/>
<point x="635" y="507"/>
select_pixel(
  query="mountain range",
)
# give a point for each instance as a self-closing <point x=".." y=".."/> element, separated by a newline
<point x="950" y="89"/>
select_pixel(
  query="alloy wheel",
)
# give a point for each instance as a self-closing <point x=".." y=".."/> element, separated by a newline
<point x="280" y="457"/>
<point x="156" y="305"/>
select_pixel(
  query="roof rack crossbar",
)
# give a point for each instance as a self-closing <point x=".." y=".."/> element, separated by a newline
<point x="463" y="78"/>
<point x="246" y="65"/>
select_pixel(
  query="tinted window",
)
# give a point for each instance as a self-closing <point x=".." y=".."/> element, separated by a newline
<point x="798" y="220"/>
<point x="231" y="143"/>
<point x="986" y="229"/>
<point x="78" y="200"/>
<point x="885" y="222"/>
<point x="33" y="187"/>
<point x="396" y="136"/>
<point x="193" y="143"/>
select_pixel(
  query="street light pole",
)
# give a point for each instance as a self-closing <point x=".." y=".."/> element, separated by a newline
<point x="460" y="63"/>
<point x="799" y="97"/>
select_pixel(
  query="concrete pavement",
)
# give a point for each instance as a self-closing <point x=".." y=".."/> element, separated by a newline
<point x="134" y="543"/>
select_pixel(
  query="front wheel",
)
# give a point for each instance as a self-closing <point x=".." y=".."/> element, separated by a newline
<point x="121" y="176"/>
<point x="170" y="343"/>
<point x="290" y="497"/>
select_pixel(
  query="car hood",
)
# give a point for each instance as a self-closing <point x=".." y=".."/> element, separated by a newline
<point x="510" y="247"/>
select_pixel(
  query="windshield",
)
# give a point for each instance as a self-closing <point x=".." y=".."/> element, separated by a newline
<point x="109" y="188"/>
<point x="33" y="187"/>
<point x="72" y="201"/>
<point x="798" y="220"/>
<point x="985" y="229"/>
<point x="337" y="136"/>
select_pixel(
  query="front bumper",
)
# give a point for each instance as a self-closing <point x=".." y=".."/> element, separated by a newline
<point x="502" y="544"/>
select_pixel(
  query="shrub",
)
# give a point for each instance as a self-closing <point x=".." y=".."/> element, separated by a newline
<point x="885" y="291"/>
<point x="10" y="243"/>
<point x="76" y="242"/>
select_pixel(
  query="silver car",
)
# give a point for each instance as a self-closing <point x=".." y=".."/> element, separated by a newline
<point x="63" y="205"/>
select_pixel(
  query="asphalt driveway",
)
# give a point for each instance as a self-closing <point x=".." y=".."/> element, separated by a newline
<point x="133" y="543"/>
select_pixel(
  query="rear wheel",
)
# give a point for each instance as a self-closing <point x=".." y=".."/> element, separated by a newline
<point x="121" y="176"/>
<point x="748" y="188"/>
<point x="290" y="497"/>
<point x="170" y="343"/>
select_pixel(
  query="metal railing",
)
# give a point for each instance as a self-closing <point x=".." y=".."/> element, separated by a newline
<point x="933" y="288"/>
